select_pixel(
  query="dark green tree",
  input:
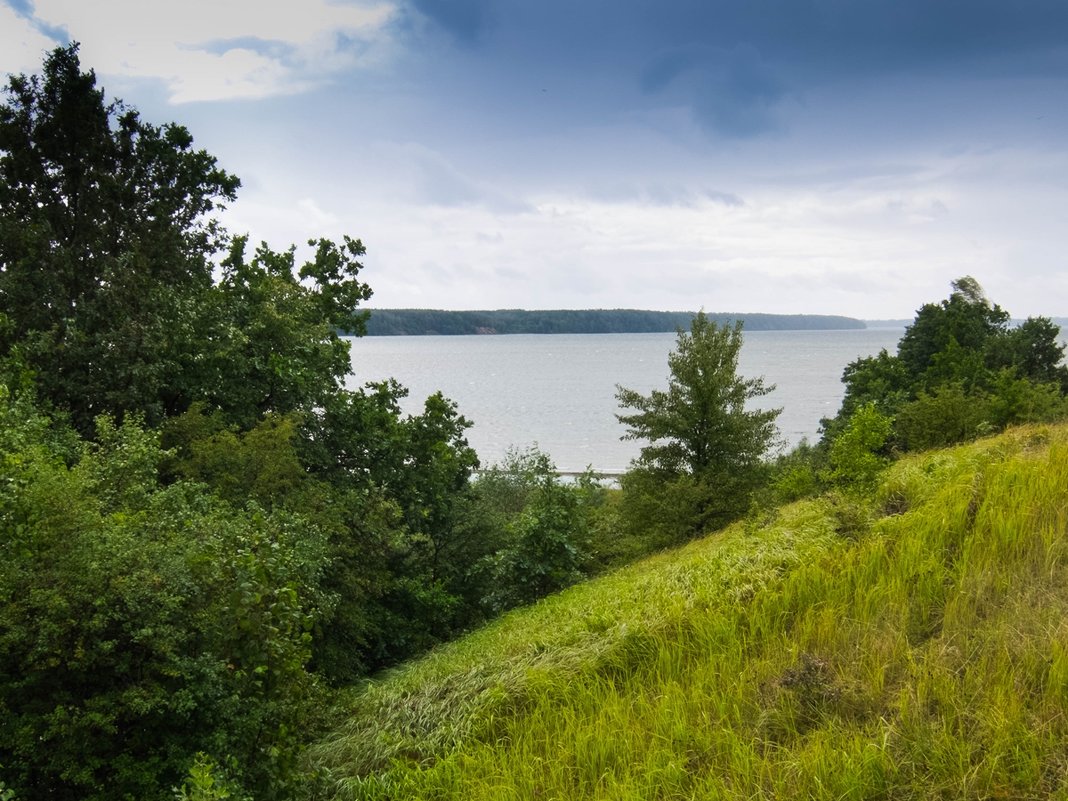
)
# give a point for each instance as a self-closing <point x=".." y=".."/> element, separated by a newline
<point x="706" y="448"/>
<point x="965" y="322"/>
<point x="961" y="369"/>
<point x="277" y="347"/>
<point x="286" y="518"/>
<point x="106" y="236"/>
<point x="1033" y="351"/>
<point x="403" y="543"/>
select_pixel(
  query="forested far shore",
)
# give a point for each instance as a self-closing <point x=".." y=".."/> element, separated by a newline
<point x="424" y="322"/>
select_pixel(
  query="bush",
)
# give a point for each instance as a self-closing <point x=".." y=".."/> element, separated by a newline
<point x="943" y="417"/>
<point x="796" y="474"/>
<point x="1015" y="400"/>
<point x="140" y="624"/>
<point x="858" y="454"/>
<point x="543" y="526"/>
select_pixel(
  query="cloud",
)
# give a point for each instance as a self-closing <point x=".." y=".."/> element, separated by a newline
<point x="203" y="50"/>
<point x="876" y="246"/>
<point x="726" y="198"/>
<point x="663" y="195"/>
<point x="732" y="92"/>
<point x="740" y="154"/>
<point x="739" y="68"/>
<point x="314" y="217"/>
<point x="465" y="20"/>
<point x="425" y="176"/>
<point x="22" y="43"/>
<point x="871" y="35"/>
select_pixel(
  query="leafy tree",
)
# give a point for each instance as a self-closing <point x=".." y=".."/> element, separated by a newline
<point x="1033" y="351"/>
<point x="538" y="526"/>
<point x="960" y="370"/>
<point x="107" y="247"/>
<point x="545" y="553"/>
<point x="277" y="348"/>
<point x="966" y="318"/>
<point x="289" y="522"/>
<point x="504" y="490"/>
<point x="260" y="464"/>
<point x="1014" y="400"/>
<point x="706" y="449"/>
<point x="106" y="236"/>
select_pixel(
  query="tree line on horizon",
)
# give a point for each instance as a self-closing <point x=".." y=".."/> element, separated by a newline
<point x="421" y="322"/>
<point x="205" y="536"/>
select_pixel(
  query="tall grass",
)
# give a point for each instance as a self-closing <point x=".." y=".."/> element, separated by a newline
<point x="924" y="657"/>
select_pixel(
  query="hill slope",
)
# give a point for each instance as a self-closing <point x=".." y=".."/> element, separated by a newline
<point x="913" y="646"/>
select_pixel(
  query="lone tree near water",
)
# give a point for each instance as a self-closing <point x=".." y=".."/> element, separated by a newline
<point x="706" y="449"/>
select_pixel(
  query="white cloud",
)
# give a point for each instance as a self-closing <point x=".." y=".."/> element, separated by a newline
<point x="869" y="248"/>
<point x="314" y="217"/>
<point x="22" y="46"/>
<point x="208" y="50"/>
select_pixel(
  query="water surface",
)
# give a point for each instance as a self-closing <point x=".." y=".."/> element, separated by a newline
<point x="558" y="391"/>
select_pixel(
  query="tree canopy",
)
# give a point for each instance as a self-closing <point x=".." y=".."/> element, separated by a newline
<point x="961" y="368"/>
<point x="106" y="239"/>
<point x="703" y="440"/>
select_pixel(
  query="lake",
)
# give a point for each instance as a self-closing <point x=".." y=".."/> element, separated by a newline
<point x="558" y="391"/>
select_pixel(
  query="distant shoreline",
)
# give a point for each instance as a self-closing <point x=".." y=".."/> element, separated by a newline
<point x="436" y="322"/>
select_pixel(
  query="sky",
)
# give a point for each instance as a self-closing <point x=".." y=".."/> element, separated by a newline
<point x="785" y="156"/>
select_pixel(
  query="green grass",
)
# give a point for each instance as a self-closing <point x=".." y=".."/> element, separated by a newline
<point x="814" y="656"/>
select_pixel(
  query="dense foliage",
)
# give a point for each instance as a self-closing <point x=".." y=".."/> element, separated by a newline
<point x="105" y="246"/>
<point x="144" y="622"/>
<point x="201" y="528"/>
<point x="961" y="369"/>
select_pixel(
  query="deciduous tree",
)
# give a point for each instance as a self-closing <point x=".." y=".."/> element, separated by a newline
<point x="106" y="234"/>
<point x="960" y="369"/>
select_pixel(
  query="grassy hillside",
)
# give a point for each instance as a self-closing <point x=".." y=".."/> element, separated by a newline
<point x="914" y="645"/>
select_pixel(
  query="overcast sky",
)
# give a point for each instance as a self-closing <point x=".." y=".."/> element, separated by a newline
<point x="794" y="156"/>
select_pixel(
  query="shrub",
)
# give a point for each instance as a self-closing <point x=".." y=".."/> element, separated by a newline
<point x="857" y="455"/>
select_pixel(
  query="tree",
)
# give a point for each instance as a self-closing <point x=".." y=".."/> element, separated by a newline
<point x="228" y="522"/>
<point x="857" y="454"/>
<point x="107" y="269"/>
<point x="960" y="369"/>
<point x="706" y="449"/>
<point x="106" y="236"/>
<point x="966" y="319"/>
<point x="1033" y="351"/>
<point x="539" y="528"/>
<point x="276" y="348"/>
<point x="288" y="519"/>
<point x="545" y="552"/>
